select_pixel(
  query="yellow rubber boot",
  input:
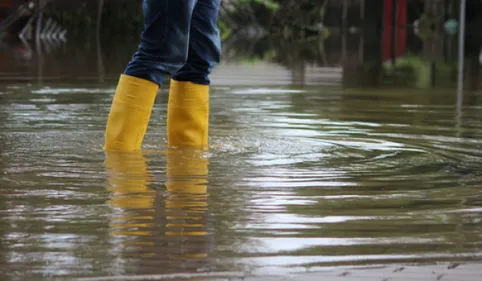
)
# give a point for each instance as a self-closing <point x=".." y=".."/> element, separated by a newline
<point x="130" y="114"/>
<point x="188" y="114"/>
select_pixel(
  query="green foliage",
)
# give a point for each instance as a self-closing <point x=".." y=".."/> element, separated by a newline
<point x="293" y="18"/>
<point x="415" y="71"/>
<point x="118" y="17"/>
<point x="270" y="4"/>
<point x="225" y="30"/>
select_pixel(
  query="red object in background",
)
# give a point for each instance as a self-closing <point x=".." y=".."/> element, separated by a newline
<point x="400" y="38"/>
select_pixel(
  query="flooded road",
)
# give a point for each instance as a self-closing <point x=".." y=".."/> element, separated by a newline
<point x="296" y="179"/>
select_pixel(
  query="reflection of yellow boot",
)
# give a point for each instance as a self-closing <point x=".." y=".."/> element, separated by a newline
<point x="186" y="205"/>
<point x="188" y="114"/>
<point x="130" y="113"/>
<point x="129" y="179"/>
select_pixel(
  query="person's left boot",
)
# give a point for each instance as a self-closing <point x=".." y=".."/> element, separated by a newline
<point x="188" y="114"/>
<point x="130" y="114"/>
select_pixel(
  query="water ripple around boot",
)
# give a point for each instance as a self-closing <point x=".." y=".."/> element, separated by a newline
<point x="295" y="179"/>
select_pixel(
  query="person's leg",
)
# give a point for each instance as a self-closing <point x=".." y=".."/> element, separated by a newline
<point x="204" y="45"/>
<point x="188" y="106"/>
<point x="165" y="40"/>
<point x="163" y="50"/>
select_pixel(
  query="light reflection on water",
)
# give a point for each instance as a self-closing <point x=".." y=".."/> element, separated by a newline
<point x="294" y="179"/>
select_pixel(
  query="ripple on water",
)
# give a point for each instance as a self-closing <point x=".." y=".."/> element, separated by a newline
<point x="294" y="179"/>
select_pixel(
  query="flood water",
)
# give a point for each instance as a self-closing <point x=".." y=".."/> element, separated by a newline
<point x="297" y="178"/>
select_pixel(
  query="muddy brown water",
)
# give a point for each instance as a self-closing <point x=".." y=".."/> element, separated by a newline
<point x="296" y="178"/>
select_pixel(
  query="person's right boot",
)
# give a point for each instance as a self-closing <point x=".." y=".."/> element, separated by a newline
<point x="130" y="114"/>
<point x="188" y="114"/>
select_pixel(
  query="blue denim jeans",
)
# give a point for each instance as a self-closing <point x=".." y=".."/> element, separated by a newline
<point x="180" y="39"/>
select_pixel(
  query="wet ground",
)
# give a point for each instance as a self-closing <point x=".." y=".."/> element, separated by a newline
<point x="426" y="272"/>
<point x="297" y="179"/>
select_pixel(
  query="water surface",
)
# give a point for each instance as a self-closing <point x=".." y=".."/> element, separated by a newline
<point x="296" y="179"/>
